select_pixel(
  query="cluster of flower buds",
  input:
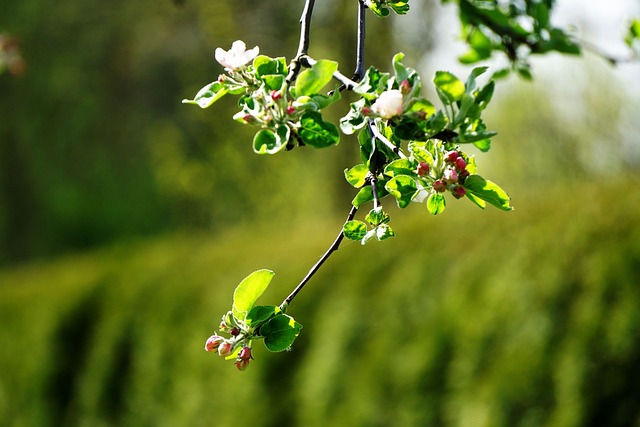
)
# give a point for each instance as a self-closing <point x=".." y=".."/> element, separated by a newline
<point x="226" y="347"/>
<point x="454" y="174"/>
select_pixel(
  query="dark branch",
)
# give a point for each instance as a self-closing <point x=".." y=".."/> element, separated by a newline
<point x="303" y="45"/>
<point x="334" y="247"/>
<point x="359" y="72"/>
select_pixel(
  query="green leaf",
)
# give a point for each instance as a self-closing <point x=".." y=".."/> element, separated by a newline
<point x="399" y="68"/>
<point x="403" y="188"/>
<point x="208" y="95"/>
<point x="260" y="314"/>
<point x="376" y="217"/>
<point x="263" y="65"/>
<point x="384" y="232"/>
<point x="357" y="175"/>
<point x="354" y="230"/>
<point x="280" y="332"/>
<point x="448" y="86"/>
<point x="324" y="101"/>
<point x="249" y="290"/>
<point x="487" y="191"/>
<point x="373" y="84"/>
<point x="266" y="141"/>
<point x="313" y="79"/>
<point x="366" y="195"/>
<point x="400" y="167"/>
<point x="633" y="32"/>
<point x="436" y="203"/>
<point x="478" y="201"/>
<point x="274" y="81"/>
<point x="316" y="132"/>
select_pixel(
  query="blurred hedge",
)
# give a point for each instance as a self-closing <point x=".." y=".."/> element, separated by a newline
<point x="530" y="318"/>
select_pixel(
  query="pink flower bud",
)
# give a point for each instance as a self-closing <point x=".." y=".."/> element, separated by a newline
<point x="242" y="364"/>
<point x="405" y="87"/>
<point x="213" y="342"/>
<point x="460" y="164"/>
<point x="463" y="175"/>
<point x="221" y="78"/>
<point x="275" y="95"/>
<point x="235" y="332"/>
<point x="450" y="176"/>
<point x="245" y="353"/>
<point x="423" y="169"/>
<point x="439" y="186"/>
<point x="249" y="118"/>
<point x="290" y="110"/>
<point x="458" y="191"/>
<point x="225" y="349"/>
<point x="451" y="156"/>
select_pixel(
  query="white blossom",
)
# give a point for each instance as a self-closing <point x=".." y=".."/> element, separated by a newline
<point x="236" y="57"/>
<point x="388" y="104"/>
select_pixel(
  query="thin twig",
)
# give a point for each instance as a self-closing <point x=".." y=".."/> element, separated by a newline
<point x="380" y="137"/>
<point x="334" y="247"/>
<point x="359" y="72"/>
<point x="372" y="180"/>
<point x="303" y="45"/>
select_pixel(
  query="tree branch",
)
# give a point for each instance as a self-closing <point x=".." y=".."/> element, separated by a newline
<point x="359" y="72"/>
<point x="380" y="137"/>
<point x="334" y="247"/>
<point x="303" y="45"/>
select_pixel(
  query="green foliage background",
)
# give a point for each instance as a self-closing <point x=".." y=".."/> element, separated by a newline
<point x="467" y="321"/>
<point x="471" y="318"/>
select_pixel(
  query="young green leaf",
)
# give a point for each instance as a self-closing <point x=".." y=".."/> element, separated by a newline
<point x="249" y="290"/>
<point x="448" y="86"/>
<point x="376" y="217"/>
<point x="266" y="141"/>
<point x="208" y="95"/>
<point x="354" y="230"/>
<point x="487" y="191"/>
<point x="436" y="203"/>
<point x="357" y="175"/>
<point x="384" y="232"/>
<point x="313" y="79"/>
<point x="316" y="132"/>
<point x="260" y="314"/>
<point x="280" y="332"/>
<point x="403" y="188"/>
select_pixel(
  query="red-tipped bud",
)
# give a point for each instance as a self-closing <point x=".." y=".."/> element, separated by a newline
<point x="423" y="169"/>
<point x="242" y="364"/>
<point x="439" y="186"/>
<point x="450" y="176"/>
<point x="213" y="342"/>
<point x="221" y="78"/>
<point x="460" y="164"/>
<point x="248" y="118"/>
<point x="290" y="110"/>
<point x="225" y="349"/>
<point x="245" y="353"/>
<point x="463" y="175"/>
<point x="235" y="332"/>
<point x="405" y="87"/>
<point x="451" y="156"/>
<point x="275" y="95"/>
<point x="366" y="111"/>
<point x="458" y="191"/>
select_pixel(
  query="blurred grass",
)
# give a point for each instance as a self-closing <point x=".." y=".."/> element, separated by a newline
<point x="529" y="318"/>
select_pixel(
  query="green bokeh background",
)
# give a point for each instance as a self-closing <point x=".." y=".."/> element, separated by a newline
<point x="127" y="219"/>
